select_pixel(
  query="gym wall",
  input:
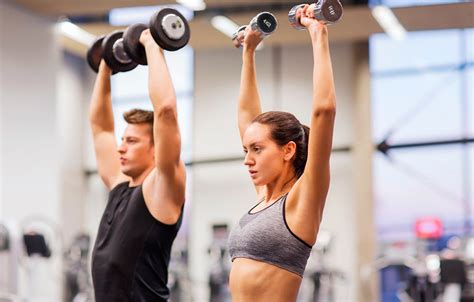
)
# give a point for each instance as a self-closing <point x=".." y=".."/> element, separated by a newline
<point x="30" y="172"/>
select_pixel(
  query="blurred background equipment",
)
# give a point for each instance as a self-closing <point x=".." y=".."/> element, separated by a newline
<point x="220" y="265"/>
<point x="78" y="286"/>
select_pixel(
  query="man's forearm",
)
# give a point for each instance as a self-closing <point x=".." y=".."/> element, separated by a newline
<point x="100" y="111"/>
<point x="161" y="89"/>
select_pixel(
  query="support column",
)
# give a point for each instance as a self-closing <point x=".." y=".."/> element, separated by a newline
<point x="363" y="153"/>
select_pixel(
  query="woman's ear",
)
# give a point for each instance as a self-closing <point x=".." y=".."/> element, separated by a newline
<point x="290" y="150"/>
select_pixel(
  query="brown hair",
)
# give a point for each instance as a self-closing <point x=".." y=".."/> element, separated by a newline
<point x="285" y="127"/>
<point x="140" y="116"/>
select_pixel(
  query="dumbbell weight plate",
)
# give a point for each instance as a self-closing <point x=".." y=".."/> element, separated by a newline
<point x="132" y="45"/>
<point x="114" y="54"/>
<point x="170" y="29"/>
<point x="94" y="54"/>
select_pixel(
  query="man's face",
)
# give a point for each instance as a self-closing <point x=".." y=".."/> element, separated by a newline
<point x="136" y="151"/>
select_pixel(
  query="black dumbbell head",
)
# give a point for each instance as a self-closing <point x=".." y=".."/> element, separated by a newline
<point x="132" y="45"/>
<point x="170" y="29"/>
<point x="114" y="54"/>
<point x="94" y="54"/>
<point x="266" y="22"/>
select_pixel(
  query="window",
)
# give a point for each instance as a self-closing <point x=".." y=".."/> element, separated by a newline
<point x="404" y="3"/>
<point x="422" y="92"/>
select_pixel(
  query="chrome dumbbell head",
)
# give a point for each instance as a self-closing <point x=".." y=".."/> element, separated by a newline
<point x="326" y="11"/>
<point x="264" y="23"/>
<point x="236" y="36"/>
<point x="294" y="21"/>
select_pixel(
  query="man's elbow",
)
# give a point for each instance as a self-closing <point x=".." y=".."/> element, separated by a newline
<point x="166" y="111"/>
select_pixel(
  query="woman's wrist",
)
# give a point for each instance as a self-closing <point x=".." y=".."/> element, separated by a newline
<point x="318" y="32"/>
<point x="248" y="52"/>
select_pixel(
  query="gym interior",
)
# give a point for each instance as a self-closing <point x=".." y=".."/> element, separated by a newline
<point x="398" y="222"/>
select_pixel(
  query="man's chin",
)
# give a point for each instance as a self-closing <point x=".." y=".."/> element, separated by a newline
<point x="126" y="171"/>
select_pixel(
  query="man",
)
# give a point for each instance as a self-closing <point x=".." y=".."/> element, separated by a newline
<point x="146" y="179"/>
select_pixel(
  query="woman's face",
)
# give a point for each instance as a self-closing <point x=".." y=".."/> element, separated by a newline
<point x="264" y="159"/>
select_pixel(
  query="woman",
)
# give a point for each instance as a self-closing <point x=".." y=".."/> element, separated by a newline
<point x="289" y="166"/>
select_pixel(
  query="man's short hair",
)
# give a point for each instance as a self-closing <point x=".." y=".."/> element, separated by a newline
<point x="140" y="116"/>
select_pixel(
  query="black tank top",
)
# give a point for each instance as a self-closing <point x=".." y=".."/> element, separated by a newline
<point x="132" y="250"/>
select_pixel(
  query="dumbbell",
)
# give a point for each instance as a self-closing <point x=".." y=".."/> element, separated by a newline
<point x="94" y="54"/>
<point x="326" y="11"/>
<point x="169" y="29"/>
<point x="264" y="23"/>
<point x="122" y="51"/>
<point x="111" y="49"/>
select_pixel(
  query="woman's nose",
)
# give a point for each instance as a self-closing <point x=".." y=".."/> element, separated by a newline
<point x="248" y="161"/>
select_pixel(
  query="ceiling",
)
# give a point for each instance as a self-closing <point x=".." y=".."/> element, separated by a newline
<point x="357" y="23"/>
<point x="98" y="7"/>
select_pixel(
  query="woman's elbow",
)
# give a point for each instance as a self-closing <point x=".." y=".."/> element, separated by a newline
<point x="326" y="108"/>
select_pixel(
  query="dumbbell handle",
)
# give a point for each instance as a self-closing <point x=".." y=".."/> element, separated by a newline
<point x="326" y="11"/>
<point x="264" y="23"/>
<point x="239" y="33"/>
<point x="119" y="52"/>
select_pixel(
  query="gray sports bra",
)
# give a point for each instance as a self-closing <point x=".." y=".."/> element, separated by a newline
<point x="265" y="236"/>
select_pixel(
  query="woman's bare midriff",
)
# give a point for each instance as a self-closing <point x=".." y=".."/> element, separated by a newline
<point x="255" y="281"/>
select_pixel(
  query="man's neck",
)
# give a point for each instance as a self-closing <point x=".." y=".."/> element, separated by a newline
<point x="136" y="181"/>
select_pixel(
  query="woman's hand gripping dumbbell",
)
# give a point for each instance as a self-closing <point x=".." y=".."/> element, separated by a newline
<point x="264" y="24"/>
<point x="325" y="11"/>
